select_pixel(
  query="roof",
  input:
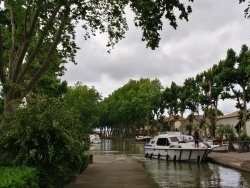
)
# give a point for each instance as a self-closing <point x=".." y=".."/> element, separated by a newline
<point x="196" y="117"/>
<point x="231" y="115"/>
<point x="171" y="118"/>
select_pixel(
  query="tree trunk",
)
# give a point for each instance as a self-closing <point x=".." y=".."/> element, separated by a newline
<point x="244" y="110"/>
<point x="11" y="103"/>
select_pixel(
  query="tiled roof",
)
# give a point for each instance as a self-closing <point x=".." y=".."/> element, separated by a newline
<point x="197" y="118"/>
<point x="171" y="118"/>
<point x="231" y="115"/>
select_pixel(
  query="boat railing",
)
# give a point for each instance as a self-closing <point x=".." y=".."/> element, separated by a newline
<point x="169" y="133"/>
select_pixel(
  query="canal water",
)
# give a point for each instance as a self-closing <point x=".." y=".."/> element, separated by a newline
<point x="177" y="174"/>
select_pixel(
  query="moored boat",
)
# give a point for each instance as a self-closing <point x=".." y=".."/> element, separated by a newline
<point x="177" y="147"/>
<point x="220" y="147"/>
<point x="94" y="139"/>
<point x="143" y="138"/>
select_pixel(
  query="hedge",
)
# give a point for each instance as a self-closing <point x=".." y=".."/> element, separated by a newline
<point x="21" y="177"/>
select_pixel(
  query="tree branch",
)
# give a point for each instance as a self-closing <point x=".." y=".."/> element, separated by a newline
<point x="2" y="74"/>
<point x="39" y="43"/>
<point x="51" y="51"/>
<point x="13" y="28"/>
<point x="25" y="45"/>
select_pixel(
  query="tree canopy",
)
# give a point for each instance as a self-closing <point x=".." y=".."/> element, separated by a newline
<point x="36" y="34"/>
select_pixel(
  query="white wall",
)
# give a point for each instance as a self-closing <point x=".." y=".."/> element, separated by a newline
<point x="233" y="121"/>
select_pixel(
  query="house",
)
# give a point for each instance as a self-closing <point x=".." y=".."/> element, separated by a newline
<point x="195" y="120"/>
<point x="232" y="119"/>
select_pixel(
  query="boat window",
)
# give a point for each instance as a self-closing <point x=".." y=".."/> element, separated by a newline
<point x="183" y="138"/>
<point x="174" y="139"/>
<point x="162" y="142"/>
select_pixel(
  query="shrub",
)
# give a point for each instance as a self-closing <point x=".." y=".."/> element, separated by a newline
<point x="225" y="130"/>
<point x="244" y="137"/>
<point x="48" y="137"/>
<point x="21" y="177"/>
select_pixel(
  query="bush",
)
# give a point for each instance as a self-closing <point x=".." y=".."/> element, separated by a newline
<point x="244" y="137"/>
<point x="48" y="137"/>
<point x="225" y="130"/>
<point x="21" y="177"/>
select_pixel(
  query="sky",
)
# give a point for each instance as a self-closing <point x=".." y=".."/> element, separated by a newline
<point x="195" y="46"/>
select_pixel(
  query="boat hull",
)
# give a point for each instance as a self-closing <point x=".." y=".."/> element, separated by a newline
<point x="96" y="142"/>
<point x="178" y="154"/>
<point x="221" y="148"/>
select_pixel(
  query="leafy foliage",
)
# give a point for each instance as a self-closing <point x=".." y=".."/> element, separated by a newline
<point x="21" y="177"/>
<point x="149" y="16"/>
<point x="225" y="130"/>
<point x="38" y="34"/>
<point x="245" y="137"/>
<point x="45" y="135"/>
<point x="235" y="77"/>
<point x="83" y="100"/>
<point x="131" y="106"/>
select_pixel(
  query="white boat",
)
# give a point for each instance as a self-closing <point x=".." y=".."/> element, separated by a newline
<point x="143" y="138"/>
<point x="217" y="146"/>
<point x="177" y="147"/>
<point x="94" y="139"/>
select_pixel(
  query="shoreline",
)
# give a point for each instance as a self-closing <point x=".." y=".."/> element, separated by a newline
<point x="240" y="161"/>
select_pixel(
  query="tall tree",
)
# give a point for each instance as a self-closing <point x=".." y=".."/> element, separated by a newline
<point x="131" y="107"/>
<point x="235" y="75"/>
<point x="191" y="92"/>
<point x="213" y="88"/>
<point x="172" y="101"/>
<point x="83" y="101"/>
<point x="32" y="31"/>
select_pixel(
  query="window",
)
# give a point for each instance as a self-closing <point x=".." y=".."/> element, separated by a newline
<point x="174" y="139"/>
<point x="162" y="142"/>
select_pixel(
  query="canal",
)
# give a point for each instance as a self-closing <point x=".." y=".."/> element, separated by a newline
<point x="176" y="174"/>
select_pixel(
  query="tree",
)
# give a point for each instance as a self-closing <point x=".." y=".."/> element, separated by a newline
<point x="131" y="107"/>
<point x="37" y="32"/>
<point x="213" y="88"/>
<point x="191" y="93"/>
<point x="235" y="77"/>
<point x="48" y="136"/>
<point x="225" y="130"/>
<point x="83" y="101"/>
<point x="171" y="102"/>
<point x="149" y="94"/>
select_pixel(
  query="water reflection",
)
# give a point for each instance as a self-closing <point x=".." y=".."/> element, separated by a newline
<point x="177" y="174"/>
<point x="117" y="147"/>
<point x="184" y="174"/>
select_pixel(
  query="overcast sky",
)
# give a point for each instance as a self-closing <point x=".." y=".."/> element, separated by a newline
<point x="214" y="26"/>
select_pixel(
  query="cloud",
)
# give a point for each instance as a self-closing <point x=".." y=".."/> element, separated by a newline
<point x="213" y="28"/>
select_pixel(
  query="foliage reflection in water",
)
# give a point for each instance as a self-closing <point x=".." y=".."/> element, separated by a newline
<point x="117" y="147"/>
<point x="184" y="174"/>
<point x="177" y="174"/>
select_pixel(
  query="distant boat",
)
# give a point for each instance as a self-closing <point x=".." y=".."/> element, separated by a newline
<point x="176" y="147"/>
<point x="95" y="139"/>
<point x="217" y="146"/>
<point x="143" y="138"/>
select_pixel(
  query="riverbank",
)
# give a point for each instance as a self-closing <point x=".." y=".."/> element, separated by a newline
<point x="113" y="171"/>
<point x="234" y="159"/>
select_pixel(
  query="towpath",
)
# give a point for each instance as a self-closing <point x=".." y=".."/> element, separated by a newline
<point x="113" y="171"/>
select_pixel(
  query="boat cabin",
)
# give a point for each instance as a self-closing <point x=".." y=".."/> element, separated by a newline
<point x="167" y="138"/>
